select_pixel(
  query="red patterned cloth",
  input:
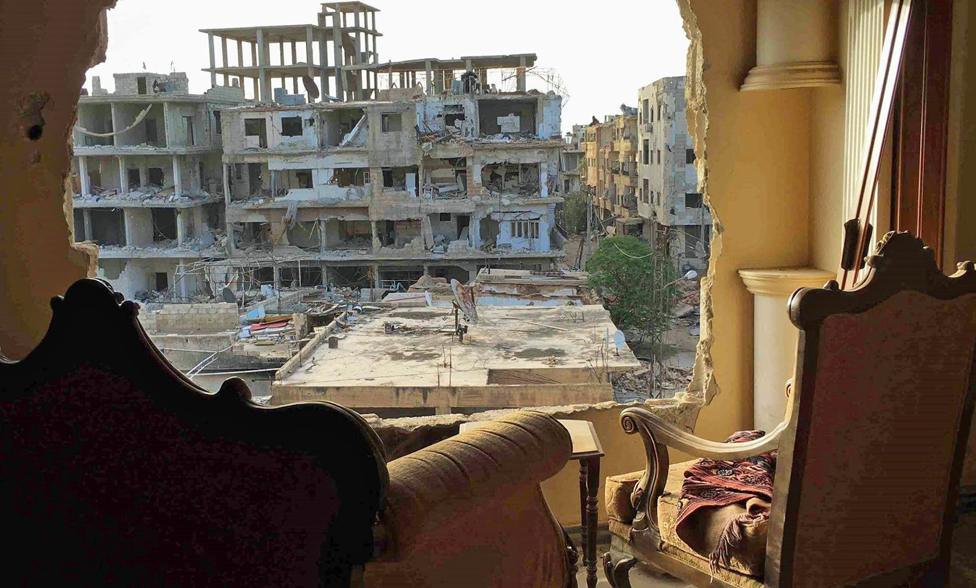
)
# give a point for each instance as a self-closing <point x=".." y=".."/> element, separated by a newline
<point x="711" y="484"/>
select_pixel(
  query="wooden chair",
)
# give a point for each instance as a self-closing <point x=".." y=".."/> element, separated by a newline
<point x="870" y="452"/>
<point x="115" y="470"/>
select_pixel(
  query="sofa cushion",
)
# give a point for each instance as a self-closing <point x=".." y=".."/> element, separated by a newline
<point x="749" y="559"/>
<point x="617" y="492"/>
<point x="746" y="565"/>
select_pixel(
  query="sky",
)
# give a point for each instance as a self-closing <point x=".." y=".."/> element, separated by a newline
<point x="602" y="55"/>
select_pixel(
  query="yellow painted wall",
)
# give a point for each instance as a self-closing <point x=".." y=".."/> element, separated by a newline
<point x="48" y="46"/>
<point x="756" y="147"/>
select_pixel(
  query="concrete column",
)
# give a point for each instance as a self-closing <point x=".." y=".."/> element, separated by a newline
<point x="325" y="275"/>
<point x="226" y="181"/>
<point x="774" y="336"/>
<point x="177" y="176"/>
<point x="181" y="279"/>
<point x="323" y="60"/>
<point x="474" y="230"/>
<point x="83" y="174"/>
<point x="86" y="216"/>
<point x="123" y="176"/>
<point x="337" y="57"/>
<point x="263" y="59"/>
<point x="520" y="75"/>
<point x="377" y="283"/>
<point x="240" y="62"/>
<point x="543" y="180"/>
<point x="213" y="60"/>
<point x="429" y="79"/>
<point x="223" y="55"/>
<point x="254" y="63"/>
<point x="309" y="58"/>
<point x="377" y="244"/>
<point x="182" y="217"/>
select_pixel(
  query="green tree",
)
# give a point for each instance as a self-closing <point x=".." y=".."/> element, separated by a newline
<point x="637" y="284"/>
<point x="572" y="213"/>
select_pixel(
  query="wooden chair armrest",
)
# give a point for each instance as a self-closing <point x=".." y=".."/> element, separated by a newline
<point x="657" y="435"/>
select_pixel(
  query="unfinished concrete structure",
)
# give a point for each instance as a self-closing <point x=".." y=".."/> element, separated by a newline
<point x="379" y="193"/>
<point x="326" y="56"/>
<point x="408" y="361"/>
<point x="674" y="216"/>
<point x="147" y="183"/>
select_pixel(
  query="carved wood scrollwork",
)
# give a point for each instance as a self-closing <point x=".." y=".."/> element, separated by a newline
<point x="651" y="484"/>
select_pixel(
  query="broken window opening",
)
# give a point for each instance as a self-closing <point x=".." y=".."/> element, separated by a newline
<point x="693" y="200"/>
<point x="107" y="226"/>
<point x="339" y="126"/>
<point x="160" y="281"/>
<point x="156" y="176"/>
<point x="511" y="178"/>
<point x="256" y="133"/>
<point x="305" y="236"/>
<point x="164" y="224"/>
<point x="350" y="176"/>
<point x="188" y="128"/>
<point x="134" y="182"/>
<point x="392" y="122"/>
<point x="152" y="133"/>
<point x="141" y="85"/>
<point x="216" y="115"/>
<point x="445" y="178"/>
<point x="507" y="117"/>
<point x="291" y="126"/>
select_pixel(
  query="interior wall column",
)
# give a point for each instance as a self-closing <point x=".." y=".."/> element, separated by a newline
<point x="223" y="55"/>
<point x="774" y="336"/>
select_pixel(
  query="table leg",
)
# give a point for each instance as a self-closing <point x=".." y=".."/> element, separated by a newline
<point x="592" y="487"/>
<point x="584" y="493"/>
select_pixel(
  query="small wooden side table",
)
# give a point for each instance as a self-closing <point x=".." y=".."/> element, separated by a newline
<point x="588" y="451"/>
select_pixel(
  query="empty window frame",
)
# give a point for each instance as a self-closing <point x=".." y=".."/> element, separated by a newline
<point x="524" y="229"/>
<point x="392" y="122"/>
<point x="188" y="128"/>
<point x="647" y="150"/>
<point x="689" y="156"/>
<point x="257" y="127"/>
<point x="693" y="200"/>
<point x="291" y="126"/>
<point x="216" y="116"/>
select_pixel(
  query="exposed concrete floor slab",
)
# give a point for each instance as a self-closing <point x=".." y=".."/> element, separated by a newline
<point x="423" y="353"/>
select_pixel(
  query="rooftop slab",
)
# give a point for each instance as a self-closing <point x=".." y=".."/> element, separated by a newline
<point x="513" y="356"/>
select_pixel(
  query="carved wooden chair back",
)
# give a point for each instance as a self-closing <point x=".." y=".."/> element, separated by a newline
<point x="117" y="470"/>
<point x="869" y="466"/>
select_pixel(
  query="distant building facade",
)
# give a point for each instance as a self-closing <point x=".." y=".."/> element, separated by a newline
<point x="670" y="205"/>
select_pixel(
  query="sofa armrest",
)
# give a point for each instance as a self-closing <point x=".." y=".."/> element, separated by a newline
<point x="657" y="435"/>
<point x="472" y="500"/>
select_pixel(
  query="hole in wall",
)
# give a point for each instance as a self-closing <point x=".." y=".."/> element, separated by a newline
<point x="34" y="132"/>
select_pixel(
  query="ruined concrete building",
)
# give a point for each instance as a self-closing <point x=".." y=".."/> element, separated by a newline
<point x="147" y="183"/>
<point x="674" y="216"/>
<point x="640" y="169"/>
<point x="428" y="167"/>
<point x="573" y="160"/>
<point x="611" y="173"/>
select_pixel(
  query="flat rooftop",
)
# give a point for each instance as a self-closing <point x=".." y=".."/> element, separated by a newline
<point x="513" y="356"/>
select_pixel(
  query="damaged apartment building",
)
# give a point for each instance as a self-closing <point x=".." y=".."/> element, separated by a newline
<point x="424" y="167"/>
<point x="640" y="169"/>
<point x="674" y="216"/>
<point x="147" y="185"/>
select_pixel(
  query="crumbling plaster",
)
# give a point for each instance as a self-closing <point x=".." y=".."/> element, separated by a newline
<point x="39" y="96"/>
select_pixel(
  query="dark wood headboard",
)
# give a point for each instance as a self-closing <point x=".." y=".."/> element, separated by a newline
<point x="117" y="470"/>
